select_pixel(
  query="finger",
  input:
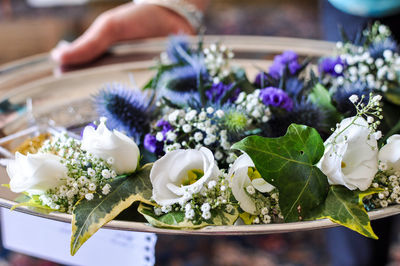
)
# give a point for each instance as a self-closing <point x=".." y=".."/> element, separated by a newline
<point x="90" y="45"/>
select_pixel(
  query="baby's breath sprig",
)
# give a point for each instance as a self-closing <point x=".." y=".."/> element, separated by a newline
<point x="389" y="181"/>
<point x="88" y="175"/>
<point x="215" y="197"/>
<point x="267" y="206"/>
<point x="371" y="112"/>
<point x="216" y="59"/>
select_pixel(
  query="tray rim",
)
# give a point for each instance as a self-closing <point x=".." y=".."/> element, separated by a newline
<point x="209" y="230"/>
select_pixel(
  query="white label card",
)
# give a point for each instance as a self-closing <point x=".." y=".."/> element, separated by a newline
<point x="50" y="240"/>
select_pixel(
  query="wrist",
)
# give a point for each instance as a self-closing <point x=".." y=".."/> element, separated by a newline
<point x="187" y="11"/>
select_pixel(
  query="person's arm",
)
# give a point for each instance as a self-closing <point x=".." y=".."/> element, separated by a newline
<point x="126" y="22"/>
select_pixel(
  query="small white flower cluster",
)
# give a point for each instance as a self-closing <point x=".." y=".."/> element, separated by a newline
<point x="370" y="111"/>
<point x="389" y="181"/>
<point x="87" y="174"/>
<point x="267" y="206"/>
<point x="379" y="74"/>
<point x="215" y="196"/>
<point x="193" y="129"/>
<point x="216" y="58"/>
<point x="252" y="105"/>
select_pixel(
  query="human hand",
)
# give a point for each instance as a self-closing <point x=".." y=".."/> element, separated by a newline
<point x="126" y="22"/>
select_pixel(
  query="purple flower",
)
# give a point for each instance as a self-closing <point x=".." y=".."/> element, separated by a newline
<point x="276" y="97"/>
<point x="152" y="145"/>
<point x="218" y="90"/>
<point x="287" y="58"/>
<point x="260" y="80"/>
<point x="164" y="125"/>
<point x="328" y="64"/>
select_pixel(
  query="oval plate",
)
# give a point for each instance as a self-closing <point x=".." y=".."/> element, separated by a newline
<point x="42" y="92"/>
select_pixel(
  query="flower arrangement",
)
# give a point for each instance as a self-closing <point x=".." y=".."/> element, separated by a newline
<point x="202" y="145"/>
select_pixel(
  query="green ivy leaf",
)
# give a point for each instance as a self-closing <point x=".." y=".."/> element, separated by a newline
<point x="90" y="216"/>
<point x="32" y="203"/>
<point x="176" y="219"/>
<point x="288" y="163"/>
<point x="345" y="207"/>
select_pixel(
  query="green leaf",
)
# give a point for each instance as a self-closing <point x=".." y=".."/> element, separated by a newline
<point x="176" y="219"/>
<point x="247" y="217"/>
<point x="320" y="96"/>
<point x="90" y="216"/>
<point x="393" y="95"/>
<point x="33" y="203"/>
<point x="239" y="76"/>
<point x="345" y="207"/>
<point x="288" y="163"/>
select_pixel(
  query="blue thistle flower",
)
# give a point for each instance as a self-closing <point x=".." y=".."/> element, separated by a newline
<point x="376" y="49"/>
<point x="177" y="45"/>
<point x="294" y="87"/>
<point x="218" y="90"/>
<point x="180" y="84"/>
<point x="303" y="113"/>
<point x="126" y="110"/>
<point x="342" y="94"/>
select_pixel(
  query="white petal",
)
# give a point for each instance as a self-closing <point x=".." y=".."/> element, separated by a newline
<point x="239" y="182"/>
<point x="262" y="185"/>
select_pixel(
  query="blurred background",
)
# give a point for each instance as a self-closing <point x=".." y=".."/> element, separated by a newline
<point x="30" y="27"/>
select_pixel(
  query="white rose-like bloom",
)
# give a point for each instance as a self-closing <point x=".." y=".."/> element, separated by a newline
<point x="172" y="175"/>
<point x="240" y="180"/>
<point x="353" y="160"/>
<point x="390" y="153"/>
<point x="107" y="144"/>
<point x="36" y="173"/>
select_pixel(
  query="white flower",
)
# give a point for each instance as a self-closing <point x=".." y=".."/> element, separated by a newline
<point x="173" y="116"/>
<point x="157" y="211"/>
<point x="390" y="153"/>
<point x="352" y="160"/>
<point x="377" y="135"/>
<point x="250" y="189"/>
<point x="171" y="136"/>
<point x="205" y="207"/>
<point x="212" y="184"/>
<point x="190" y="115"/>
<point x="91" y="172"/>
<point x="189" y="214"/>
<point x="186" y="128"/>
<point x="89" y="196"/>
<point x="92" y="186"/>
<point x="175" y="174"/>
<point x="106" y="173"/>
<point x="240" y="181"/>
<point x="36" y="173"/>
<point x="105" y="144"/>
<point x="206" y="215"/>
<point x="159" y="136"/>
<point x="110" y="160"/>
<point x="106" y="189"/>
<point x="220" y="113"/>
